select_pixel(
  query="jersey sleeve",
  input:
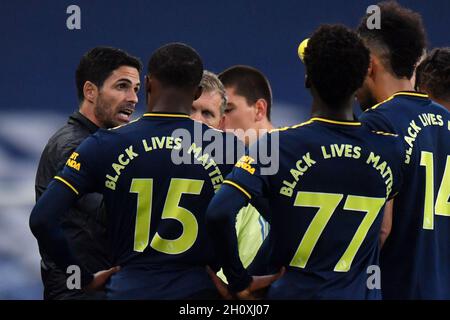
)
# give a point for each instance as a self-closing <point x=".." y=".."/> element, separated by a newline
<point x="81" y="172"/>
<point x="233" y="149"/>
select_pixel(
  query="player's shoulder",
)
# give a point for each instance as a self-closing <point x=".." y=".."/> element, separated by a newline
<point x="383" y="138"/>
<point x="379" y="116"/>
<point x="101" y="139"/>
<point x="121" y="128"/>
<point x="400" y="99"/>
<point x="291" y="129"/>
<point x="314" y="129"/>
<point x="381" y="106"/>
<point x="384" y="142"/>
<point x="386" y="135"/>
<point x="294" y="130"/>
<point x="439" y="109"/>
<point x="125" y="132"/>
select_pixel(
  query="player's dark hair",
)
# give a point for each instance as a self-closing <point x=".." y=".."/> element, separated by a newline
<point x="248" y="82"/>
<point x="336" y="63"/>
<point x="176" y="65"/>
<point x="98" y="64"/>
<point x="400" y="41"/>
<point x="433" y="74"/>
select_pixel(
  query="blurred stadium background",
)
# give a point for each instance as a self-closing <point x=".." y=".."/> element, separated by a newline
<point x="39" y="56"/>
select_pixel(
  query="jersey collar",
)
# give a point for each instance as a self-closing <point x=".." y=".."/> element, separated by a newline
<point x="344" y="123"/>
<point x="166" y="115"/>
<point x="319" y="119"/>
<point x="411" y="94"/>
<point x="402" y="94"/>
<point x="77" y="116"/>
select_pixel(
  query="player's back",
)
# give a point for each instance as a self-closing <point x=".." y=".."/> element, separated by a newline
<point x="327" y="199"/>
<point x="156" y="205"/>
<point x="415" y="258"/>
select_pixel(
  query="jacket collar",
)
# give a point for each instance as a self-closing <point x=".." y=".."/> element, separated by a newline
<point x="77" y="117"/>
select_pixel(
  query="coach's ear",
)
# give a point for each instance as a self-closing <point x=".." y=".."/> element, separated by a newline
<point x="90" y="91"/>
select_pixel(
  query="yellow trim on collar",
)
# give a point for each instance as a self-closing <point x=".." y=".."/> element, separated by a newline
<point x="349" y="123"/>
<point x="354" y="123"/>
<point x="401" y="93"/>
<point x="168" y="115"/>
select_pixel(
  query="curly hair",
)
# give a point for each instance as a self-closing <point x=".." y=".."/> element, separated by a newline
<point x="336" y="62"/>
<point x="399" y="42"/>
<point x="433" y="74"/>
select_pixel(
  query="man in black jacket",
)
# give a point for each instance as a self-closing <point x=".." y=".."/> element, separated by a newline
<point x="107" y="82"/>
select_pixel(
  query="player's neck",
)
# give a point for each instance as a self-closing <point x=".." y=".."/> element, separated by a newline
<point x="342" y="112"/>
<point x="170" y="102"/>
<point x="265" y="125"/>
<point x="389" y="85"/>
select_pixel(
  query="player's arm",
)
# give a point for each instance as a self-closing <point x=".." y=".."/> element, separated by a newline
<point x="245" y="182"/>
<point x="77" y="178"/>
<point x="220" y="220"/>
<point x="398" y="172"/>
<point x="45" y="225"/>
<point x="386" y="225"/>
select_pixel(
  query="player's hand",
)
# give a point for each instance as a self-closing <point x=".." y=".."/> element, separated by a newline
<point x="251" y="292"/>
<point x="258" y="283"/>
<point x="100" y="278"/>
<point x="220" y="285"/>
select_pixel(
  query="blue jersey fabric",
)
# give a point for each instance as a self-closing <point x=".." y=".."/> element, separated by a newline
<point x="415" y="259"/>
<point x="155" y="204"/>
<point x="326" y="200"/>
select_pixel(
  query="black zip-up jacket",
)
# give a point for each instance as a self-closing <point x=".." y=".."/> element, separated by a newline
<point x="84" y="224"/>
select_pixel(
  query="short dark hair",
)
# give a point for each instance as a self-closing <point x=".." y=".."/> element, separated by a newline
<point x="400" y="40"/>
<point x="98" y="64"/>
<point x="336" y="62"/>
<point x="248" y="82"/>
<point x="433" y="74"/>
<point x="176" y="65"/>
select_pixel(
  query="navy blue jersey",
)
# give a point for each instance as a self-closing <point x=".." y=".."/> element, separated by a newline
<point x="326" y="200"/>
<point x="155" y="203"/>
<point x="415" y="259"/>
